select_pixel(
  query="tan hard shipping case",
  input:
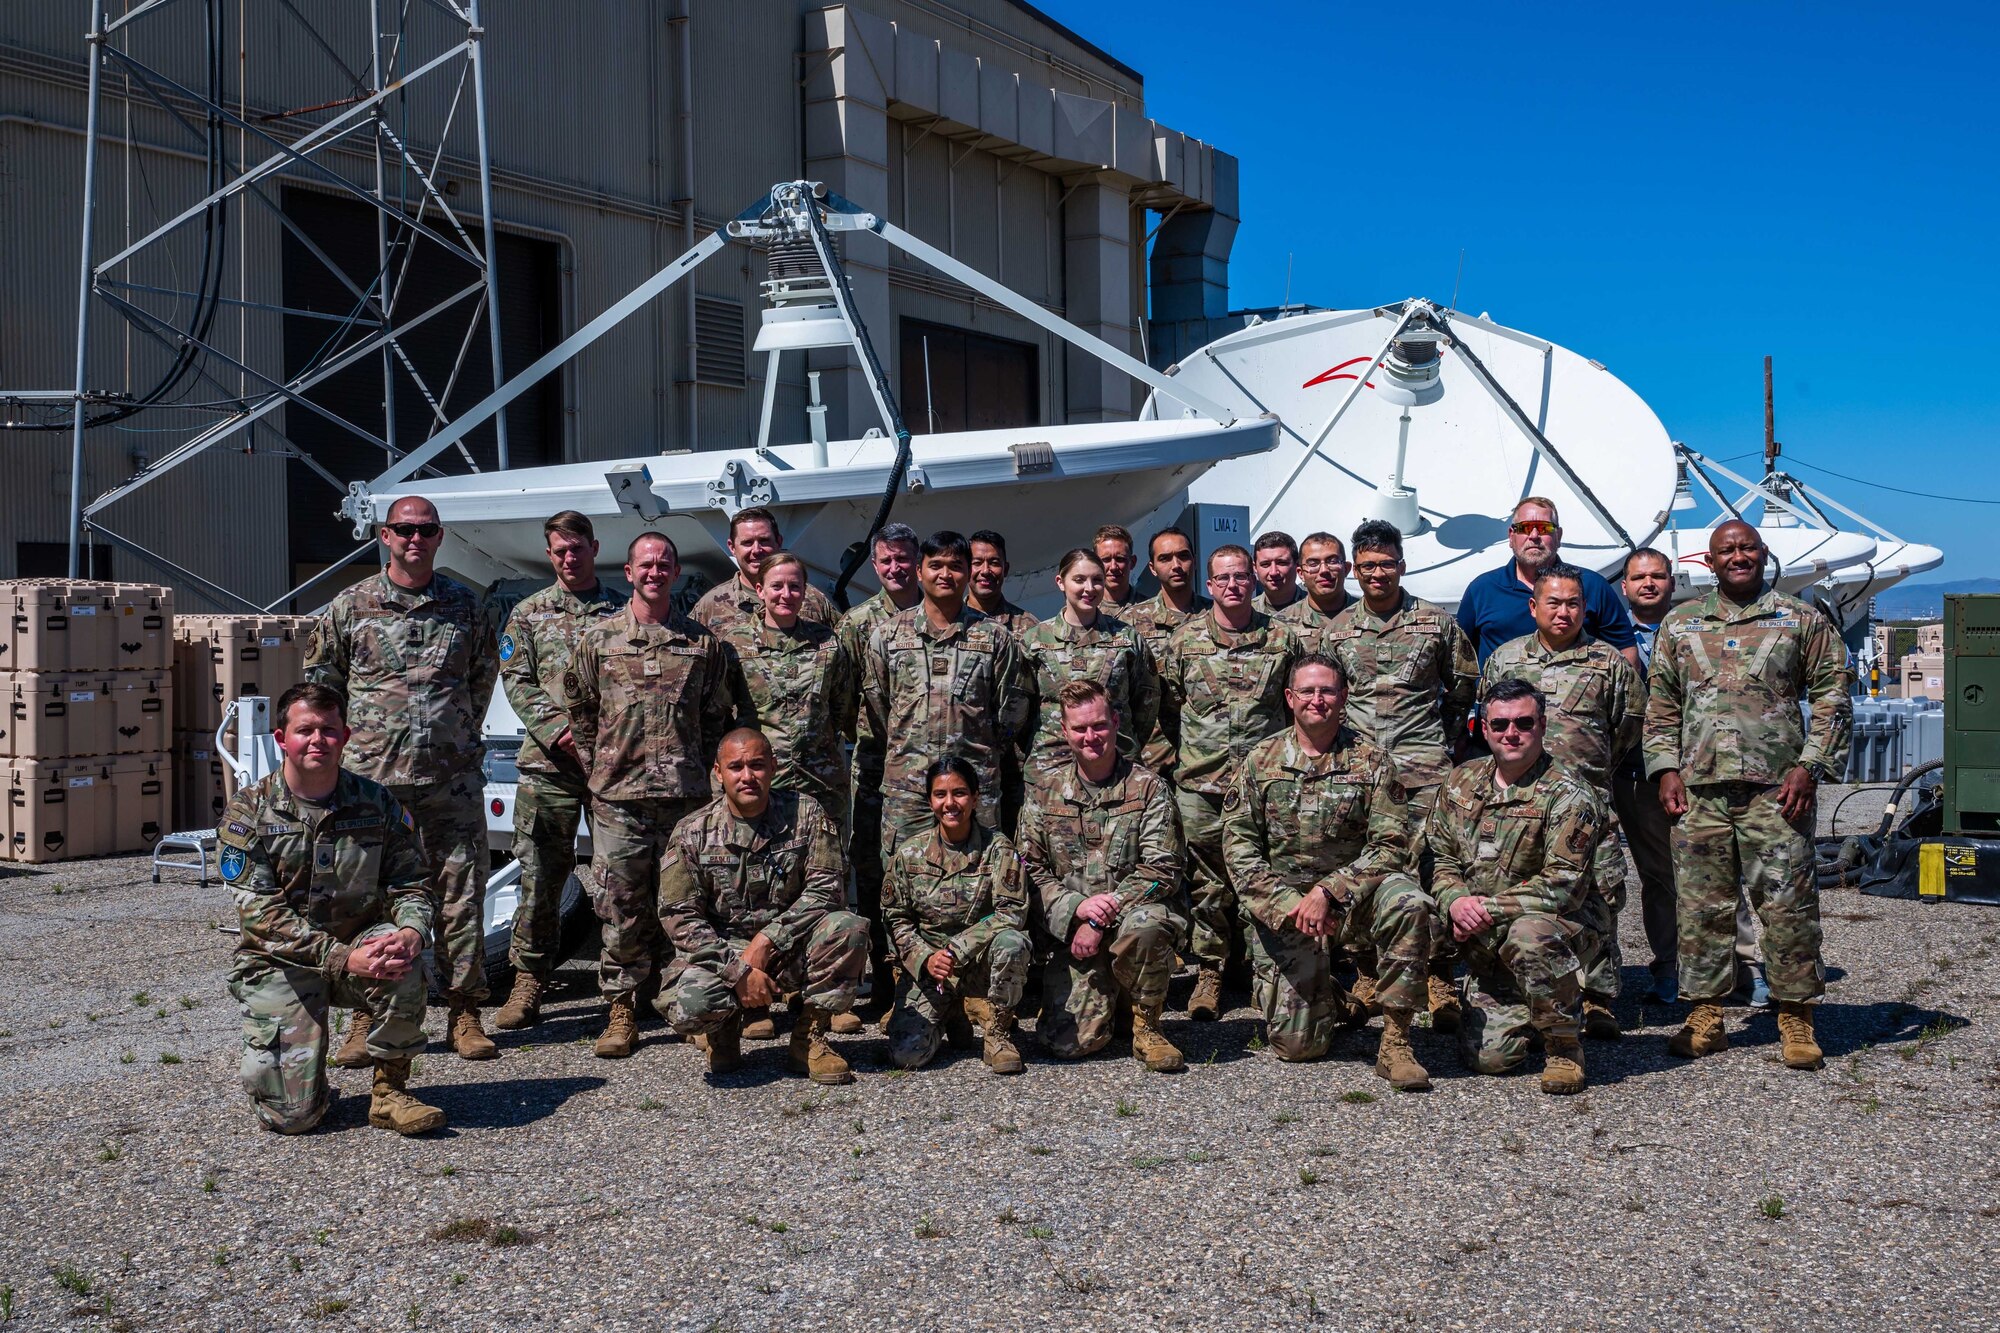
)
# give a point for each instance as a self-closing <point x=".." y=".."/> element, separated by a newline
<point x="219" y="658"/>
<point x="63" y="809"/>
<point x="77" y="625"/>
<point x="54" y="715"/>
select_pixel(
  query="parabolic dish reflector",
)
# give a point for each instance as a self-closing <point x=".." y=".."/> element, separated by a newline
<point x="1466" y="456"/>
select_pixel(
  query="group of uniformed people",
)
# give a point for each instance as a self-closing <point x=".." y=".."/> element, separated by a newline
<point x="934" y="797"/>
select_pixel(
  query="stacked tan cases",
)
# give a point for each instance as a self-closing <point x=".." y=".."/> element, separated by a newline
<point x="217" y="659"/>
<point x="86" y="717"/>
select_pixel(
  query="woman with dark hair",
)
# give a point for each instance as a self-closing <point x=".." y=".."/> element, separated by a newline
<point x="956" y="908"/>
<point x="1084" y="643"/>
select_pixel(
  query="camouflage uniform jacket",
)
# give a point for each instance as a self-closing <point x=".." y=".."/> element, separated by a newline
<point x="1222" y="691"/>
<point x="418" y="668"/>
<point x="929" y="693"/>
<point x="724" y="880"/>
<point x="1156" y="619"/>
<point x="1262" y="601"/>
<point x="854" y="629"/>
<point x="1079" y="838"/>
<point x="934" y="890"/>
<point x="802" y="683"/>
<point x="729" y="609"/>
<point x="534" y="651"/>
<point x="1017" y="621"/>
<point x="1726" y="682"/>
<point x="1528" y="848"/>
<point x="310" y="877"/>
<point x="1596" y="701"/>
<point x="647" y="706"/>
<point x="1112" y="654"/>
<point x="1411" y="678"/>
<point x="1311" y="624"/>
<point x="1293" y="822"/>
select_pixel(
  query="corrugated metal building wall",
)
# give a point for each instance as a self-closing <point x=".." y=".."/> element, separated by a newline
<point x="984" y="127"/>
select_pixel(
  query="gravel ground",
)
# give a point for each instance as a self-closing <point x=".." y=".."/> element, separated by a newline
<point x="1732" y="1193"/>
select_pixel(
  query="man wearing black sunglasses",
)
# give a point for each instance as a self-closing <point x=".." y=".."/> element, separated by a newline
<point x="1514" y="835"/>
<point x="417" y="655"/>
<point x="1495" y="606"/>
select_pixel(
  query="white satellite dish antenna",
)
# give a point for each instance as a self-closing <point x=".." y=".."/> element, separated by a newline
<point x="1438" y="422"/>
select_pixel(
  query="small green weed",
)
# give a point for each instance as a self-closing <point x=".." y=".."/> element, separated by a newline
<point x="111" y="1151"/>
<point x="1127" y="1108"/>
<point x="1040" y="1233"/>
<point x="1772" y="1206"/>
<point x="509" y="1235"/>
<point x="127" y="1058"/>
<point x="1308" y="1176"/>
<point x="169" y="1058"/>
<point x="208" y="1183"/>
<point x="70" y="1279"/>
<point x="142" y="999"/>
<point x="1039" y="1150"/>
<point x="927" y="1228"/>
<point x="327" y="1308"/>
<point x="1357" y="1097"/>
<point x="1285" y="1118"/>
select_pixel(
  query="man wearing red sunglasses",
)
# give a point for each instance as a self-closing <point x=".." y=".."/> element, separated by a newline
<point x="1496" y="606"/>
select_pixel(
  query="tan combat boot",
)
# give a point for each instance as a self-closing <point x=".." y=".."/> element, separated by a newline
<point x="467" y="1037"/>
<point x="1562" y="1068"/>
<point x="1444" y="1004"/>
<point x="997" y="1025"/>
<point x="353" y="1052"/>
<point x="810" y="1053"/>
<point x="724" y="1046"/>
<point x="758" y="1025"/>
<point x="1149" y="1046"/>
<point x="1203" y="1006"/>
<point x="1599" y="1023"/>
<point x="1703" y="1033"/>
<point x="621" y="1029"/>
<point x="1364" y="995"/>
<point x="1394" y="1060"/>
<point x="393" y="1108"/>
<point x="524" y="1004"/>
<point x="1795" y="1028"/>
<point x="845" y="1023"/>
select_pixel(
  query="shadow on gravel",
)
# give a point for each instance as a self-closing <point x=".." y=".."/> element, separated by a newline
<point x="18" y="872"/>
<point x="507" y="1103"/>
<point x="1218" y="1043"/>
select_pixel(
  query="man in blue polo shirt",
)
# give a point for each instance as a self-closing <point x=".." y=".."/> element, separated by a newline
<point x="1495" y="610"/>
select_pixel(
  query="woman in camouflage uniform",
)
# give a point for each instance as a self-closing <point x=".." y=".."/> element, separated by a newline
<point x="955" y="902"/>
<point x="1083" y="643"/>
<point x="802" y="683"/>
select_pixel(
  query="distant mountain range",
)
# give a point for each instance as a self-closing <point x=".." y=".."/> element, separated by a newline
<point x="1925" y="601"/>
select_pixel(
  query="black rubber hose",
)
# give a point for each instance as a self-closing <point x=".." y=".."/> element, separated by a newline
<point x="897" y="470"/>
<point x="1909" y="780"/>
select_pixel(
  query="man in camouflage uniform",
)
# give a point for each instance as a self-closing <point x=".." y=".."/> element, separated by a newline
<point x="1171" y="561"/>
<point x="750" y="895"/>
<point x="942" y="679"/>
<point x="728" y="609"/>
<point x="957" y="911"/>
<point x="1412" y="676"/>
<point x="1222" y="690"/>
<point x="1323" y="566"/>
<point x="648" y="698"/>
<point x="1597" y="705"/>
<point x="1275" y="561"/>
<point x="1316" y="834"/>
<point x="1102" y="846"/>
<point x="1112" y="545"/>
<point x="986" y="591"/>
<point x="1739" y="773"/>
<point x="548" y="804"/>
<point x="335" y="902"/>
<point x="1514" y="835"/>
<point x="893" y="554"/>
<point x="417" y="655"/>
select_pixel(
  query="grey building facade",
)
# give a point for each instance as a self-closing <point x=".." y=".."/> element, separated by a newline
<point x="620" y="133"/>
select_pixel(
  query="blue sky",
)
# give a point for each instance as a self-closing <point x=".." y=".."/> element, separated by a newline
<point x="1674" y="191"/>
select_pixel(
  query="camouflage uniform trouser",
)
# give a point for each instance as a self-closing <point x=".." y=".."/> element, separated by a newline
<point x="284" y="1030"/>
<point x="826" y="971"/>
<point x="1080" y="999"/>
<point x="627" y="839"/>
<point x="1597" y="949"/>
<point x="990" y="963"/>
<point x="864" y="853"/>
<point x="1215" y="911"/>
<point x="1294" y="987"/>
<point x="547" y="809"/>
<point x="1734" y="833"/>
<point x="1398" y="925"/>
<point x="1443" y="960"/>
<point x="451" y="827"/>
<point x="1521" y="979"/>
<point x="1649" y="833"/>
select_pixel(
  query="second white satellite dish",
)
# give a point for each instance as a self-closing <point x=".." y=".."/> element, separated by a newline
<point x="1439" y="422"/>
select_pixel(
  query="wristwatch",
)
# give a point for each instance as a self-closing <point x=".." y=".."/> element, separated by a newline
<point x="1817" y="771"/>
